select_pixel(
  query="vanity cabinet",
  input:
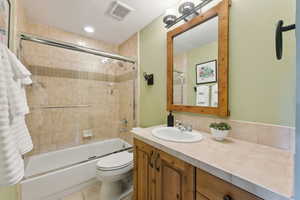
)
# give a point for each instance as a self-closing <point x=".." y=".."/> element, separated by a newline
<point x="144" y="173"/>
<point x="209" y="187"/>
<point x="174" y="178"/>
<point x="160" y="176"/>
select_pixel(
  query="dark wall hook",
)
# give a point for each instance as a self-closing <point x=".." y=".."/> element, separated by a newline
<point x="279" y="42"/>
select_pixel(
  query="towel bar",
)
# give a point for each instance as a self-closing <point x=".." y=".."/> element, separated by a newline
<point x="60" y="107"/>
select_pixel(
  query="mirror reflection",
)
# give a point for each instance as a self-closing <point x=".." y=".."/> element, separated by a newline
<point x="195" y="70"/>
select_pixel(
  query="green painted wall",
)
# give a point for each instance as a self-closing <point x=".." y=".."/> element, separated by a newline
<point x="8" y="193"/>
<point x="153" y="60"/>
<point x="262" y="89"/>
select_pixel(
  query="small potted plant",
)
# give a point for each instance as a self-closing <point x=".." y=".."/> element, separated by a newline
<point x="219" y="130"/>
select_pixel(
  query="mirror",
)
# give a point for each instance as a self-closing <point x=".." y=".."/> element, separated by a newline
<point x="195" y="55"/>
<point x="198" y="63"/>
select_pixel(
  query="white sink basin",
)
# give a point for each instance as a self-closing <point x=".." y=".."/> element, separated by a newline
<point x="175" y="135"/>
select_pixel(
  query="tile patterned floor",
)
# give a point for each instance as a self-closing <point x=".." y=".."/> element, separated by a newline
<point x="90" y="193"/>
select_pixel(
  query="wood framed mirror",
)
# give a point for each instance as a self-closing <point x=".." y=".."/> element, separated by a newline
<point x="197" y="63"/>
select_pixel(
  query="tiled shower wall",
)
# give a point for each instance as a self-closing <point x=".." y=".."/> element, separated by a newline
<point x="128" y="88"/>
<point x="88" y="94"/>
<point x="179" y="87"/>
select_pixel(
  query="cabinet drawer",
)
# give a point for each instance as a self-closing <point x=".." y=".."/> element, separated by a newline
<point x="214" y="188"/>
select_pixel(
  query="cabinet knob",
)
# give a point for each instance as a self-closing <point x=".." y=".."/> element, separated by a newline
<point x="227" y="197"/>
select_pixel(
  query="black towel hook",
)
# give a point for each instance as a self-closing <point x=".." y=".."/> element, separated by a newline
<point x="279" y="42"/>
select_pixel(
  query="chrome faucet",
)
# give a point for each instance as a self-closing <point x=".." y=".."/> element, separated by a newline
<point x="183" y="127"/>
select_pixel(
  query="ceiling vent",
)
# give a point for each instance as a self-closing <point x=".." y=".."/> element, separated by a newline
<point x="119" y="10"/>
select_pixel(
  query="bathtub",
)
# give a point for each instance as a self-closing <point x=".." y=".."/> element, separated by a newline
<point x="50" y="176"/>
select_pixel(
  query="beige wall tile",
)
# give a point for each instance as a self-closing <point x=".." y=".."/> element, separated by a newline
<point x="274" y="136"/>
<point x="64" y="78"/>
<point x="293" y="140"/>
<point x="244" y="131"/>
<point x="266" y="134"/>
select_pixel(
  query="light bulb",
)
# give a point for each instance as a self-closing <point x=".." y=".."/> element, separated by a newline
<point x="89" y="29"/>
<point x="170" y="16"/>
<point x="186" y="6"/>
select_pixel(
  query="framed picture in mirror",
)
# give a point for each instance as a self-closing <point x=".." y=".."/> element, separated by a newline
<point x="206" y="72"/>
<point x="5" y="11"/>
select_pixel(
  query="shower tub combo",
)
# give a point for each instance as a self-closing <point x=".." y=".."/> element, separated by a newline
<point x="51" y="176"/>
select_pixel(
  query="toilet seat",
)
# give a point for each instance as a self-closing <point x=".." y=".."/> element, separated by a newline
<point x="115" y="161"/>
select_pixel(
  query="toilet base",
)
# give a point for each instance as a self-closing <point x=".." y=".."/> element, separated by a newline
<point x="111" y="190"/>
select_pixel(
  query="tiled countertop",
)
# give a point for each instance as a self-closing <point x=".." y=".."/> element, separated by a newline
<point x="264" y="171"/>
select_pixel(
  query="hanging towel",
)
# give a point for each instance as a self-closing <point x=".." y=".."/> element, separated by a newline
<point x="202" y="95"/>
<point x="15" y="139"/>
<point x="214" y="96"/>
<point x="19" y="70"/>
<point x="20" y="77"/>
<point x="11" y="163"/>
<point x="19" y="106"/>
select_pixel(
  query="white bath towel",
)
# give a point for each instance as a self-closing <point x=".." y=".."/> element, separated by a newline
<point x="14" y="136"/>
<point x="214" y="95"/>
<point x="18" y="103"/>
<point x="202" y="96"/>
<point x="19" y="70"/>
<point x="11" y="163"/>
<point x="20" y="77"/>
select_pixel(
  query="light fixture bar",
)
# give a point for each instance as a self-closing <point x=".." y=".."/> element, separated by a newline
<point x="183" y="17"/>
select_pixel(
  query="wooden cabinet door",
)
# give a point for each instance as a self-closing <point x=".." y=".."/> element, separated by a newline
<point x="212" y="188"/>
<point x="144" y="173"/>
<point x="174" y="178"/>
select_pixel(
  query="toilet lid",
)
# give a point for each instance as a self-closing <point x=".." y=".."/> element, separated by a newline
<point x="115" y="161"/>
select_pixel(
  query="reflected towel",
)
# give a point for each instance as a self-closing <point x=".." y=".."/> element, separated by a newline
<point x="202" y="96"/>
<point x="214" y="96"/>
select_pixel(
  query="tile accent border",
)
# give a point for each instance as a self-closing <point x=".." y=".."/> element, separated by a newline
<point x="74" y="74"/>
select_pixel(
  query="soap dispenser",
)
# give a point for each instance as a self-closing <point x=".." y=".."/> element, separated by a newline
<point x="170" y="119"/>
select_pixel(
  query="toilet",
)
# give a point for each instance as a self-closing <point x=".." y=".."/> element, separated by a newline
<point x="115" y="173"/>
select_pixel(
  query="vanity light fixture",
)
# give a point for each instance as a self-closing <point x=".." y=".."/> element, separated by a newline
<point x="89" y="29"/>
<point x="188" y="10"/>
<point x="188" y="6"/>
<point x="170" y="16"/>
